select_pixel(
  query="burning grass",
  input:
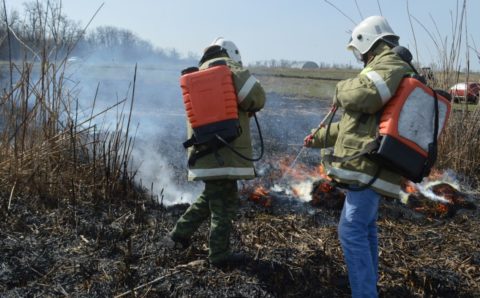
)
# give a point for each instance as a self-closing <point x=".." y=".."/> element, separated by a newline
<point x="438" y="196"/>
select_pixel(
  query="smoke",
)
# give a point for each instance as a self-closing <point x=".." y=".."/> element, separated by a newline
<point x="154" y="168"/>
<point x="426" y="185"/>
<point x="159" y="123"/>
<point x="285" y="122"/>
<point x="157" y="120"/>
<point x="298" y="189"/>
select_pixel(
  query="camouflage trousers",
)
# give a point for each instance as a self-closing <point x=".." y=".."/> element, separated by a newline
<point x="220" y="202"/>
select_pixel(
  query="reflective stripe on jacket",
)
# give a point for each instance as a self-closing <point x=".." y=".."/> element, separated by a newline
<point x="251" y="98"/>
<point x="362" y="98"/>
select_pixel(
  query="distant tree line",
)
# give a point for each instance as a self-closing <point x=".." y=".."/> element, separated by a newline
<point x="282" y="63"/>
<point x="43" y="31"/>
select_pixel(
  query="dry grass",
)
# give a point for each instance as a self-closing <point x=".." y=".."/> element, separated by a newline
<point x="47" y="149"/>
<point x="458" y="147"/>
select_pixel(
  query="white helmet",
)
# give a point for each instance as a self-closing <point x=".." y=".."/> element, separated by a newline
<point x="366" y="33"/>
<point x="230" y="47"/>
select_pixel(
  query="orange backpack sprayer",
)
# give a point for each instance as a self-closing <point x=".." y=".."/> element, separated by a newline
<point x="211" y="106"/>
<point x="210" y="102"/>
<point x="409" y="126"/>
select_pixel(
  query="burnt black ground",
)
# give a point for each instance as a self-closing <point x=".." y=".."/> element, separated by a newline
<point x="98" y="249"/>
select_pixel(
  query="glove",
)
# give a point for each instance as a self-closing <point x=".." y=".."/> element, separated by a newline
<point x="308" y="141"/>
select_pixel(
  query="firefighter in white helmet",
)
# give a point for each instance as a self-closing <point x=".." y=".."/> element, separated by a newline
<point x="367" y="33"/>
<point x="232" y="50"/>
<point x="362" y="99"/>
<point x="219" y="200"/>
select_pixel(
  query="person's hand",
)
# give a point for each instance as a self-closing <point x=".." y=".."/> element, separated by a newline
<point x="308" y="141"/>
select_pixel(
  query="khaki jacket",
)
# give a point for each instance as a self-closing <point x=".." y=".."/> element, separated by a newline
<point x="361" y="99"/>
<point x="251" y="98"/>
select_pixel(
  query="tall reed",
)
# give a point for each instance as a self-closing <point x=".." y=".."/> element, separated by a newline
<point x="460" y="142"/>
<point x="46" y="149"/>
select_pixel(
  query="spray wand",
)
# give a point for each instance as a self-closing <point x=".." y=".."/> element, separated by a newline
<point x="326" y="119"/>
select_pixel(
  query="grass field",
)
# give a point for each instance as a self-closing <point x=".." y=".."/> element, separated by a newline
<point x="320" y="83"/>
<point x="292" y="82"/>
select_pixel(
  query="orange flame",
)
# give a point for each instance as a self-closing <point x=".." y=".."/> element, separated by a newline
<point x="321" y="172"/>
<point x="296" y="192"/>
<point x="442" y="209"/>
<point x="450" y="198"/>
<point x="261" y="195"/>
<point x="260" y="192"/>
<point x="409" y="187"/>
<point x="326" y="187"/>
<point x="302" y="171"/>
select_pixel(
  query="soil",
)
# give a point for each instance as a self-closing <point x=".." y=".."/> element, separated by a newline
<point x="104" y="249"/>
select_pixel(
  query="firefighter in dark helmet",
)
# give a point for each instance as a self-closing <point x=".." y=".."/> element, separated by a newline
<point x="361" y="99"/>
<point x="221" y="169"/>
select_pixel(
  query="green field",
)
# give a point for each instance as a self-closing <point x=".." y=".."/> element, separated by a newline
<point x="320" y="83"/>
<point x="301" y="83"/>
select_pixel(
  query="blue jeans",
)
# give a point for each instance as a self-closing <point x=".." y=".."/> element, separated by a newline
<point x="357" y="231"/>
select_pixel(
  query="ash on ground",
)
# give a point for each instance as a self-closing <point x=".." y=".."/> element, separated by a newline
<point x="99" y="249"/>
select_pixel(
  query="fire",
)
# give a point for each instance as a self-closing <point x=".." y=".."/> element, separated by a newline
<point x="325" y="194"/>
<point x="296" y="191"/>
<point x="435" y="210"/>
<point x="295" y="179"/>
<point x="261" y="195"/>
<point x="288" y="177"/>
<point x="443" y="209"/>
<point x="260" y="192"/>
<point x="301" y="179"/>
<point x="322" y="174"/>
<point x="409" y="187"/>
<point x="300" y="171"/>
<point x="326" y="187"/>
<point x="435" y="196"/>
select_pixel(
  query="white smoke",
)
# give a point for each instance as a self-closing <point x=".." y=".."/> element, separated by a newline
<point x="425" y="187"/>
<point x="295" y="189"/>
<point x="157" y="120"/>
<point x="156" y="174"/>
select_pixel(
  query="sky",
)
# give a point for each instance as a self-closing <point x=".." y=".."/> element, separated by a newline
<point x="281" y="29"/>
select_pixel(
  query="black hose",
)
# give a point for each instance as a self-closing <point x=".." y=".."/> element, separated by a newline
<point x="240" y="154"/>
